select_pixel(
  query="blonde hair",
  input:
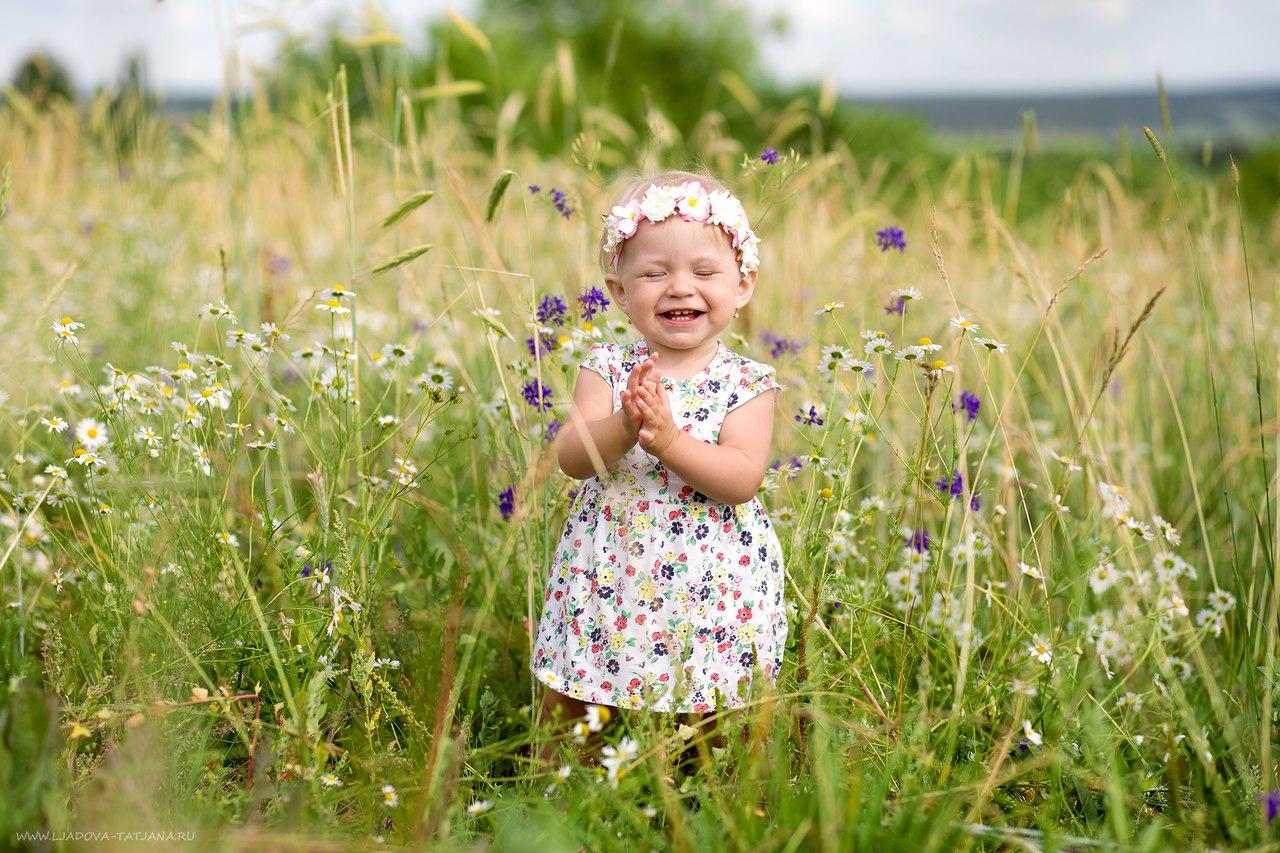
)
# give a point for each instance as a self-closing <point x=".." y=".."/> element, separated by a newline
<point x="634" y="188"/>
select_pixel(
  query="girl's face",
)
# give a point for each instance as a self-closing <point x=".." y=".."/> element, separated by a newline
<point x="684" y="267"/>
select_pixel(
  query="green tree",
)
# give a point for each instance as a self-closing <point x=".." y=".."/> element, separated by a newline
<point x="627" y="56"/>
<point x="42" y="79"/>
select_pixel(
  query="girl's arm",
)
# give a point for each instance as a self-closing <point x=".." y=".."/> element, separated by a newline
<point x="729" y="472"/>
<point x="593" y="429"/>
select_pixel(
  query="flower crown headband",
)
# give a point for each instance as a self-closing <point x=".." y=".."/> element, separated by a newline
<point x="693" y="203"/>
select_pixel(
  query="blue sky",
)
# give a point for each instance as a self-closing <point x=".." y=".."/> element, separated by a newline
<point x="887" y="47"/>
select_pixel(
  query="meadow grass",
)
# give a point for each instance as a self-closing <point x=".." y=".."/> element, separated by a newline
<point x="274" y="584"/>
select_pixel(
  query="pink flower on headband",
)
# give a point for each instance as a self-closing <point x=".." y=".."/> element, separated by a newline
<point x="694" y="204"/>
<point x="628" y="218"/>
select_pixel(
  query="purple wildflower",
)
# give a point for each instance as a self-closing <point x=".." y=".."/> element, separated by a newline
<point x="558" y="198"/>
<point x="544" y="343"/>
<point x="507" y="501"/>
<point x="551" y="311"/>
<point x="779" y="345"/>
<point x="919" y="540"/>
<point x="553" y="429"/>
<point x="969" y="403"/>
<point x="593" y="301"/>
<point x="792" y="465"/>
<point x="769" y="156"/>
<point x="891" y="237"/>
<point x="955" y="486"/>
<point x="537" y="395"/>
<point x="277" y="265"/>
<point x="533" y="188"/>
<point x="974" y="504"/>
<point x="897" y="306"/>
<point x="1271" y="800"/>
<point x="811" y="418"/>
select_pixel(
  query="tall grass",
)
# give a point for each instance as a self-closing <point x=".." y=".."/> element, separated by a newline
<point x="178" y="657"/>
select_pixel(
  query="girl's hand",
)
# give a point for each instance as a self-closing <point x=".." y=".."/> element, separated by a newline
<point x="659" y="428"/>
<point x="638" y="377"/>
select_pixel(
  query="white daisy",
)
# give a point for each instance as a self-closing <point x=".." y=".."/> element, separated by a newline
<point x="91" y="434"/>
<point x="1103" y="577"/>
<point x="219" y="311"/>
<point x="334" y="306"/>
<point x="404" y="471"/>
<point x="1040" y="650"/>
<point x="1032" y="572"/>
<point x="1170" y="533"/>
<point x="878" y="345"/>
<point x="616" y="757"/>
<point x="1110" y="644"/>
<point x="66" y="329"/>
<point x="1221" y="600"/>
<point x="437" y="378"/>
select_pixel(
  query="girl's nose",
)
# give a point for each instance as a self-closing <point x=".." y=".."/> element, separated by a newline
<point x="680" y="283"/>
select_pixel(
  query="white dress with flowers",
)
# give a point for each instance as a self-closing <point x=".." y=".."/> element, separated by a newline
<point x="660" y="597"/>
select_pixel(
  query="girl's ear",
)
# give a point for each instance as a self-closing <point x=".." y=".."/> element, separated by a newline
<point x="614" y="283"/>
<point x="746" y="287"/>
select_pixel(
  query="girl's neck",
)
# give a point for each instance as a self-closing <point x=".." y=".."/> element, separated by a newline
<point x="682" y="363"/>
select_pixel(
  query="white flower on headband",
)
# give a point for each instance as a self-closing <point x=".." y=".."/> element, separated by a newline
<point x="694" y="204"/>
<point x="659" y="202"/>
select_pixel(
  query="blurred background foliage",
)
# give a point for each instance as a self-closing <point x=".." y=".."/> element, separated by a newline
<point x="553" y="75"/>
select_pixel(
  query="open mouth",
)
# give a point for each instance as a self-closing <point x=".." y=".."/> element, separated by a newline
<point x="683" y="315"/>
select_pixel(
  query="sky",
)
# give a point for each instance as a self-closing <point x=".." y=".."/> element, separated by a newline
<point x="870" y="47"/>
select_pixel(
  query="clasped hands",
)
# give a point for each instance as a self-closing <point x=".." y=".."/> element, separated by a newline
<point x="648" y="412"/>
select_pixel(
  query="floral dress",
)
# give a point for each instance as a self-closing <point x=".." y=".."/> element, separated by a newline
<point x="660" y="597"/>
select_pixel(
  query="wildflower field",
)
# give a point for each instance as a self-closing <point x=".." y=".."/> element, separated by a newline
<point x="278" y="491"/>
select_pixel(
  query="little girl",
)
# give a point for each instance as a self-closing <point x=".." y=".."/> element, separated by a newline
<point x="666" y="590"/>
